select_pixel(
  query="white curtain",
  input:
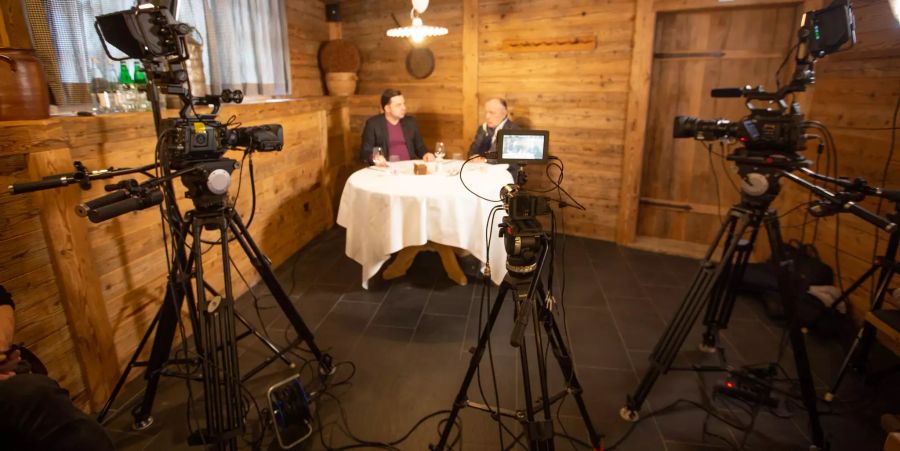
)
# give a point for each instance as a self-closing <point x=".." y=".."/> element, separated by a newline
<point x="248" y="40"/>
<point x="244" y="44"/>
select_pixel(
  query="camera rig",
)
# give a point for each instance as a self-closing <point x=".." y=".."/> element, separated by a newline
<point x="190" y="147"/>
<point x="771" y="139"/>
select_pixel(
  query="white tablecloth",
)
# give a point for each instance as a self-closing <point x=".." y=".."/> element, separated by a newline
<point x="385" y="212"/>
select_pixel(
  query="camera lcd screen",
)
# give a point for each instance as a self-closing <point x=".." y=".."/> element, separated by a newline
<point x="522" y="146"/>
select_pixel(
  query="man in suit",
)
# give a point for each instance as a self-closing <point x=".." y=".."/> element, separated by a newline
<point x="396" y="133"/>
<point x="496" y="117"/>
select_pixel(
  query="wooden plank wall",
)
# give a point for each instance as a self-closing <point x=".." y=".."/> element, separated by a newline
<point x="855" y="95"/>
<point x="578" y="93"/>
<point x="307" y="30"/>
<point x="26" y="271"/>
<point x="436" y="102"/>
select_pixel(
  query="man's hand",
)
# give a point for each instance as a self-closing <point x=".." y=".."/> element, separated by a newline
<point x="7" y="329"/>
<point x="8" y="364"/>
<point x="428" y="157"/>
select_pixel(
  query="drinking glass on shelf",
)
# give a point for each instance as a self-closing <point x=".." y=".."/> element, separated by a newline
<point x="378" y="156"/>
<point x="439" y="150"/>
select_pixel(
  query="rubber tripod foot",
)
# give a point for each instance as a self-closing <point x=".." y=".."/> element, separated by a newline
<point x="629" y="415"/>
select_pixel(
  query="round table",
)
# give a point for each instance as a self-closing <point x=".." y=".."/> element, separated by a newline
<point x="387" y="209"/>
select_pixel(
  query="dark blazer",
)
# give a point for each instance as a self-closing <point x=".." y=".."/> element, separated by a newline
<point x="482" y="136"/>
<point x="375" y="133"/>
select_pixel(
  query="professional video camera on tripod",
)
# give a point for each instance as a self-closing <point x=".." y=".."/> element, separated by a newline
<point x="772" y="137"/>
<point x="529" y="247"/>
<point x="190" y="147"/>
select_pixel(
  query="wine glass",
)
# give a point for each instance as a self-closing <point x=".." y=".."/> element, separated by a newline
<point x="439" y="150"/>
<point x="377" y="155"/>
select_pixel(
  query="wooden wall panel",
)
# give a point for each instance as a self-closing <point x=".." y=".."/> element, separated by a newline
<point x="307" y="30"/>
<point x="855" y="95"/>
<point x="579" y="95"/>
<point x="26" y="271"/>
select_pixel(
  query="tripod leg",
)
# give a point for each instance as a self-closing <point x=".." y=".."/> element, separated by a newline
<point x="678" y="329"/>
<point x="532" y="430"/>
<point x="176" y="290"/>
<point x="264" y="267"/>
<point x="131" y="364"/>
<point x="717" y="295"/>
<point x="887" y="273"/>
<point x="719" y="311"/>
<point x="859" y="349"/>
<point x="542" y="430"/>
<point x="798" y="343"/>
<point x="564" y="358"/>
<point x="477" y="354"/>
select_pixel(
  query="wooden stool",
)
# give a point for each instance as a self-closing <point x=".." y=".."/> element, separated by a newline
<point x="406" y="256"/>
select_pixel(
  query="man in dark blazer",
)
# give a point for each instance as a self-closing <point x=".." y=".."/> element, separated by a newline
<point x="496" y="118"/>
<point x="396" y="133"/>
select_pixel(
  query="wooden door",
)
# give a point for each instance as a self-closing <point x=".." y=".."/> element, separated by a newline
<point x="693" y="53"/>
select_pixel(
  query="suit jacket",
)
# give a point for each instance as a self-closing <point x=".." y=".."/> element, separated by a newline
<point x="482" y="136"/>
<point x="375" y="133"/>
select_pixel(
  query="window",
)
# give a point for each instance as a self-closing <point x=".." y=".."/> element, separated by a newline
<point x="236" y="44"/>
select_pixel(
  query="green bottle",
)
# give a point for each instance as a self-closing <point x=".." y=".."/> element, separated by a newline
<point x="140" y="80"/>
<point x="124" y="75"/>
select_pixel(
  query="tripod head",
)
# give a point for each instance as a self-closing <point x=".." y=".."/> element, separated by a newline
<point x="523" y="236"/>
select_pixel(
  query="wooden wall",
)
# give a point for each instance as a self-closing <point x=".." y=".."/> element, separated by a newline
<point x="855" y="95"/>
<point x="27" y="272"/>
<point x="306" y="32"/>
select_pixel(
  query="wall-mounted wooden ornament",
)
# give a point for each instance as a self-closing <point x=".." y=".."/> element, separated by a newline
<point x="420" y="62"/>
<point x="559" y="44"/>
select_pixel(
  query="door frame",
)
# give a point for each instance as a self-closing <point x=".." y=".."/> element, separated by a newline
<point x="645" y="19"/>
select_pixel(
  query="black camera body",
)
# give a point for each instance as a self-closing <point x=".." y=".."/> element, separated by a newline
<point x="773" y="133"/>
<point x="198" y="139"/>
<point x="764" y="131"/>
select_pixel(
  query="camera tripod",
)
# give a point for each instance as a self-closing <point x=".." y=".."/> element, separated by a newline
<point x="715" y="283"/>
<point x="714" y="286"/>
<point x="528" y="293"/>
<point x="212" y="319"/>
<point x="887" y="266"/>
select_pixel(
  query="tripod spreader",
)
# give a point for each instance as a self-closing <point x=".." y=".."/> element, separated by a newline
<point x="839" y="201"/>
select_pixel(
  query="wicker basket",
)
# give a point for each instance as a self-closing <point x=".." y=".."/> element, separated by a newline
<point x="341" y="83"/>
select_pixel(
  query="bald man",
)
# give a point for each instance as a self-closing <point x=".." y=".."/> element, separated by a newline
<point x="496" y="117"/>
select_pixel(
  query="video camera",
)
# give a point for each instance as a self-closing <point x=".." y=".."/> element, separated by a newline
<point x="773" y="132"/>
<point x="151" y="33"/>
<point x="192" y="144"/>
<point x="523" y="234"/>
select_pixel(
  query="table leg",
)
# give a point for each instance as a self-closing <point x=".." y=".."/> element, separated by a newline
<point x="405" y="258"/>
<point x="451" y="264"/>
<point x="402" y="263"/>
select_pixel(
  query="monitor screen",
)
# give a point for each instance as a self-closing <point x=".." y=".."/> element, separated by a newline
<point x="522" y="146"/>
